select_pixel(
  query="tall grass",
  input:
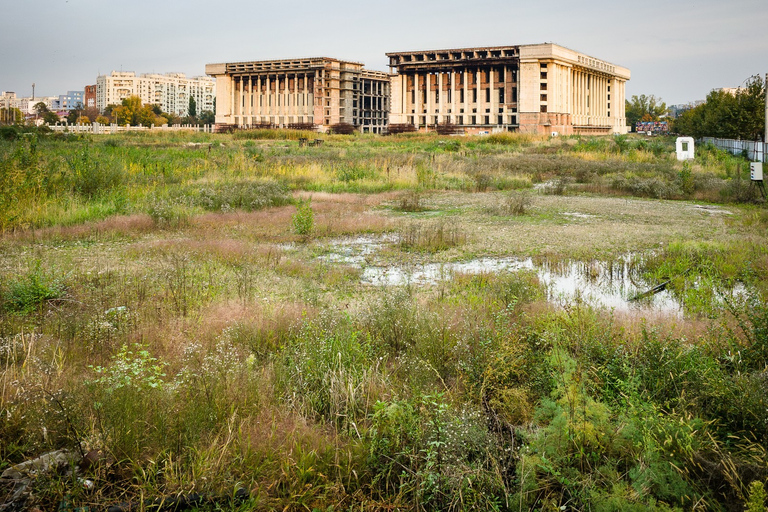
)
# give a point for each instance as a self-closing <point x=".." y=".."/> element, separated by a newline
<point x="197" y="349"/>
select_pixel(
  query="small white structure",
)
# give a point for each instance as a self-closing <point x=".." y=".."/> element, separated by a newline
<point x="756" y="171"/>
<point x="684" y="148"/>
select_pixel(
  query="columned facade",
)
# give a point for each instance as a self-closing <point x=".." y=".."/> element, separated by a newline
<point x="540" y="88"/>
<point x="294" y="93"/>
<point x="474" y="88"/>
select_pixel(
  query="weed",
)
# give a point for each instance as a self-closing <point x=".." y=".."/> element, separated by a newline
<point x="304" y="219"/>
<point x="33" y="290"/>
<point x="410" y="201"/>
<point x="431" y="237"/>
<point x="516" y="203"/>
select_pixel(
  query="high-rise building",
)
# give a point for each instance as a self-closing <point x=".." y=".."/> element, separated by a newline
<point x="171" y="91"/>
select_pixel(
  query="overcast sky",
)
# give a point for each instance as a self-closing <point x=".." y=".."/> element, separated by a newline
<point x="678" y="50"/>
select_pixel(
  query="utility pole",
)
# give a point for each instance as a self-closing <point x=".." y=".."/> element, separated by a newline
<point x="765" y="88"/>
<point x="33" y="91"/>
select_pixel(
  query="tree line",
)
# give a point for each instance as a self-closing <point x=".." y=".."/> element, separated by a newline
<point x="726" y="115"/>
<point x="734" y="114"/>
<point x="130" y="111"/>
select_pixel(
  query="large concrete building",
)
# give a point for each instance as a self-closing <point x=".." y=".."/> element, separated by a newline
<point x="539" y="88"/>
<point x="170" y="91"/>
<point x="321" y="91"/>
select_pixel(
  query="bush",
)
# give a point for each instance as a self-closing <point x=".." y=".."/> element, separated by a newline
<point x="304" y="219"/>
<point x="516" y="202"/>
<point x="31" y="291"/>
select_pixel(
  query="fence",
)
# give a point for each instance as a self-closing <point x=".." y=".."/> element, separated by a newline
<point x="754" y="151"/>
<point x="101" y="129"/>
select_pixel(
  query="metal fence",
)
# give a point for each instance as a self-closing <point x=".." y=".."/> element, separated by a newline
<point x="754" y="151"/>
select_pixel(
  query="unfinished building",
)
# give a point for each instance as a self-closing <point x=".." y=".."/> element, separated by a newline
<point x="317" y="91"/>
<point x="541" y="88"/>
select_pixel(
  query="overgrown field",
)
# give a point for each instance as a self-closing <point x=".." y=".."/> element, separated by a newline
<point x="181" y="307"/>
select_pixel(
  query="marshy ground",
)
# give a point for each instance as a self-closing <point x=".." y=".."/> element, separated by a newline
<point x="376" y="323"/>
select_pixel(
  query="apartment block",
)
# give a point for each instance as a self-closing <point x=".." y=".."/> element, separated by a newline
<point x="171" y="91"/>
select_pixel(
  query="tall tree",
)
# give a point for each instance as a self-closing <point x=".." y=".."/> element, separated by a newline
<point x="40" y="108"/>
<point x="192" y="112"/>
<point x="644" y="108"/>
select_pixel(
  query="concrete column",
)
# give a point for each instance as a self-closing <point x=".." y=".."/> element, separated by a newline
<point x="492" y="96"/>
<point x="454" y="98"/>
<point x="430" y="101"/>
<point x="250" y="100"/>
<point x="583" y="97"/>
<point x="479" y="106"/>
<point x="405" y="100"/>
<point x="232" y="99"/>
<point x="577" y="95"/>
<point x="467" y="99"/>
<point x="440" y="98"/>
<point x="286" y="102"/>
<point x="259" y="101"/>
<point x="416" y="100"/>
<point x="267" y="107"/>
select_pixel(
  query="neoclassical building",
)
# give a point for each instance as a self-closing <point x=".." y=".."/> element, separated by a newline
<point x="320" y="91"/>
<point x="540" y="88"/>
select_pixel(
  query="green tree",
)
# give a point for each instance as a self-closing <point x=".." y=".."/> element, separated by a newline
<point x="728" y="115"/>
<point x="74" y="116"/>
<point x="207" y="117"/>
<point x="644" y="108"/>
<point x="50" y="117"/>
<point x="40" y="108"/>
<point x="192" y="107"/>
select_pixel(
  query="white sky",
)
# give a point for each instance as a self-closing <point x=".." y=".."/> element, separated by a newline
<point x="678" y="50"/>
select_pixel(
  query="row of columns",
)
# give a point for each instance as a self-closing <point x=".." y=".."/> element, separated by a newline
<point x="437" y="110"/>
<point x="591" y="93"/>
<point x="253" y="97"/>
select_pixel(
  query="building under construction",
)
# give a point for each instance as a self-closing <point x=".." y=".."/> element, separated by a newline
<point x="541" y="88"/>
<point x="321" y="92"/>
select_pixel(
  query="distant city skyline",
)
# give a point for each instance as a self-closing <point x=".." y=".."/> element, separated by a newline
<point x="676" y="53"/>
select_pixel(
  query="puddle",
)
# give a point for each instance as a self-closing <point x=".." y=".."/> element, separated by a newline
<point x="599" y="283"/>
<point x="578" y="215"/>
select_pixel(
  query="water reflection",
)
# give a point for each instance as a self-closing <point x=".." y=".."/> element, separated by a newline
<point x="608" y="284"/>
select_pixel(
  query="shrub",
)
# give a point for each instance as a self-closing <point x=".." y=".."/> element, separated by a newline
<point x="516" y="202"/>
<point x="304" y="219"/>
<point x="32" y="290"/>
<point x="410" y="201"/>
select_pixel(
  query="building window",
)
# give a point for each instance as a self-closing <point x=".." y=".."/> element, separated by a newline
<point x="543" y="108"/>
<point x="543" y="86"/>
<point x="543" y="75"/>
<point x="543" y="97"/>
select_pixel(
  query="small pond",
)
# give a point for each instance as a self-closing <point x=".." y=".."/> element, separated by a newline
<point x="601" y="284"/>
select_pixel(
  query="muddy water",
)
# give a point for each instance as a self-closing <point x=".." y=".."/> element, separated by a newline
<point x="601" y="284"/>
